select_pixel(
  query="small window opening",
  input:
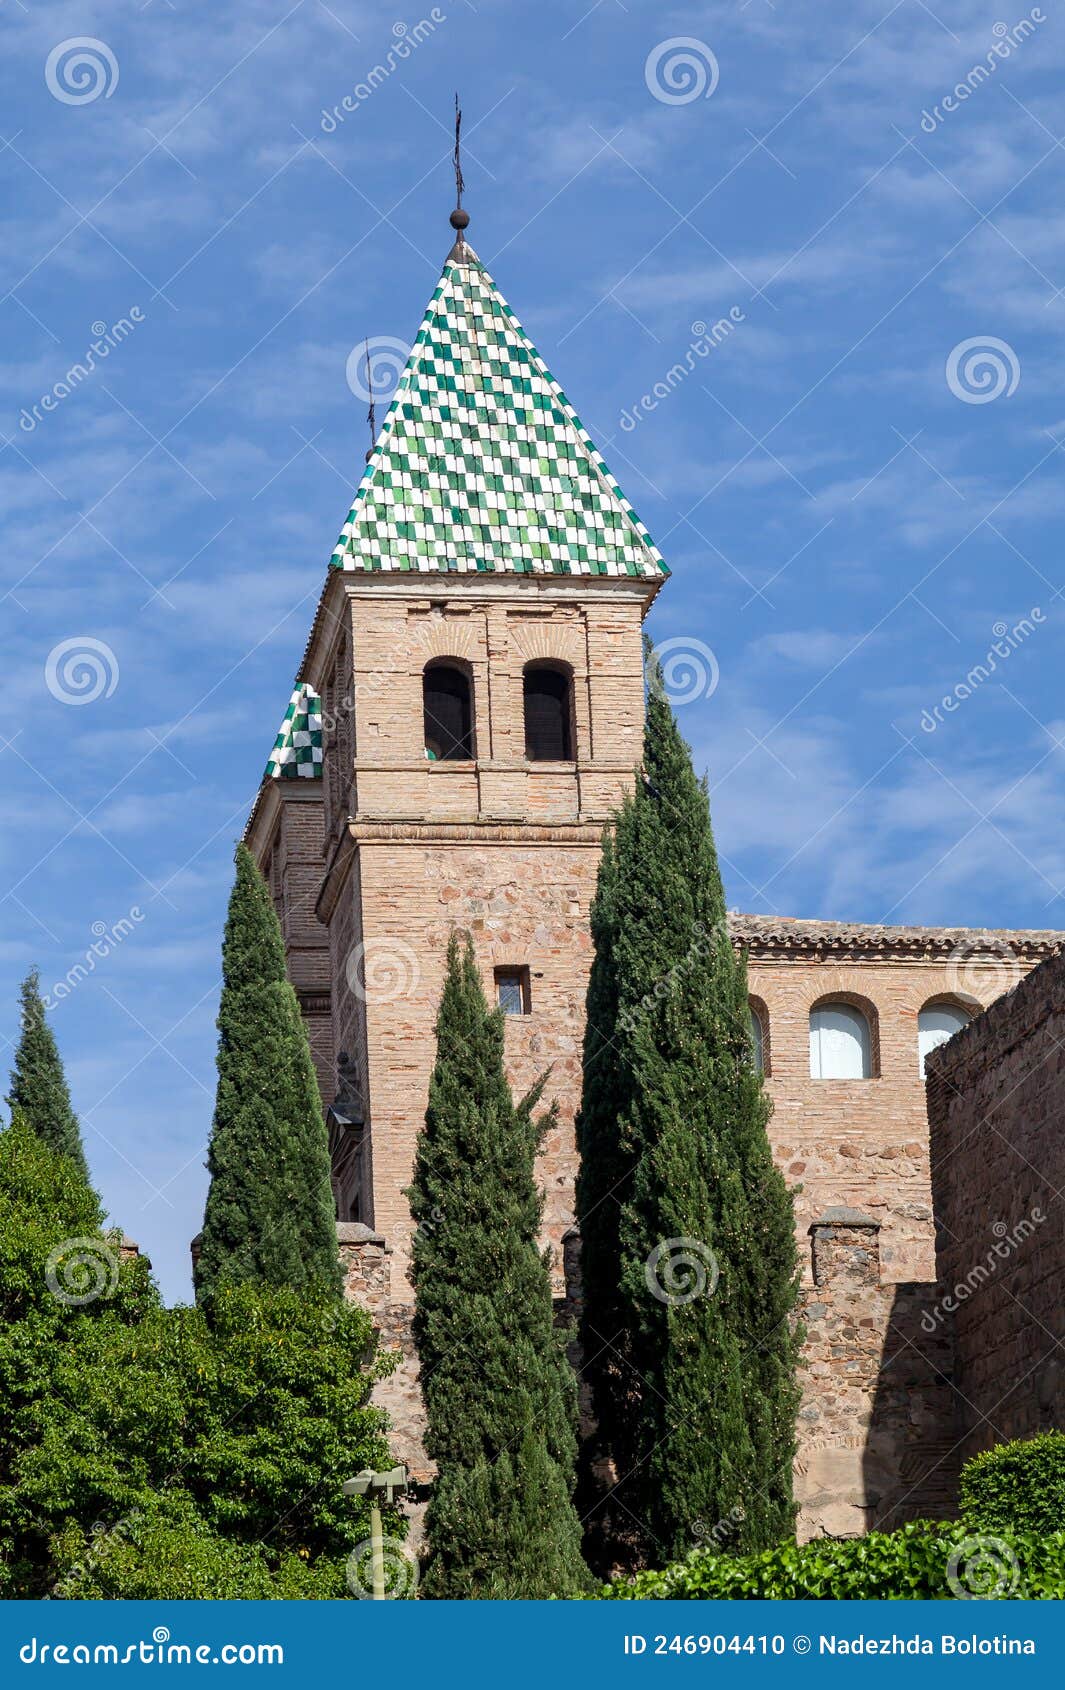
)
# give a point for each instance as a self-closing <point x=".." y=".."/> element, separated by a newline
<point x="512" y="991"/>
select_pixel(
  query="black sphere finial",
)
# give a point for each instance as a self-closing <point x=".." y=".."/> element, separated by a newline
<point x="459" y="219"/>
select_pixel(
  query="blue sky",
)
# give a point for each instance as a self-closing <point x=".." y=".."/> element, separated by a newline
<point x="851" y="517"/>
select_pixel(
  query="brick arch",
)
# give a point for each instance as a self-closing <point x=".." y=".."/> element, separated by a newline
<point x="550" y="642"/>
<point x="442" y="639"/>
<point x="952" y="1000"/>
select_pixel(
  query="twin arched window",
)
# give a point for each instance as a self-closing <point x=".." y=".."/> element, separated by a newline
<point x="843" y="1037"/>
<point x="447" y="707"/>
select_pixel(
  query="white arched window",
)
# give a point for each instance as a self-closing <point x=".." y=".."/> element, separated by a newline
<point x="840" y="1044"/>
<point x="937" y="1023"/>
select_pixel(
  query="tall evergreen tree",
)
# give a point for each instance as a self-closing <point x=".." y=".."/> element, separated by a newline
<point x="270" y="1217"/>
<point x="38" y="1084"/>
<point x="500" y="1395"/>
<point x="688" y="1248"/>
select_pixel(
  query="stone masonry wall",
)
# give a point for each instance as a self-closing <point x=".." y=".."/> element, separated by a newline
<point x="874" y="1426"/>
<point x="996" y="1099"/>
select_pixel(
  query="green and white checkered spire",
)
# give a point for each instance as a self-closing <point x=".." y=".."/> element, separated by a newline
<point x="298" y="746"/>
<point x="482" y="464"/>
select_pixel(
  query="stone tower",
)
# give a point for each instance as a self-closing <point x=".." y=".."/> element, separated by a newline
<point x="469" y="712"/>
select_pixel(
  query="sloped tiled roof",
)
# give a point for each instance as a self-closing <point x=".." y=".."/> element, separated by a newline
<point x="482" y="464"/>
<point x="794" y="933"/>
<point x="298" y="746"/>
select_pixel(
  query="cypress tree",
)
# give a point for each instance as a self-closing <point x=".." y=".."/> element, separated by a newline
<point x="500" y="1395"/>
<point x="38" y="1084"/>
<point x="688" y="1247"/>
<point x="270" y="1217"/>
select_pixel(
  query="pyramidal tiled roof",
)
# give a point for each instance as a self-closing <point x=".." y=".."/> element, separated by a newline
<point x="482" y="464"/>
<point x="298" y="746"/>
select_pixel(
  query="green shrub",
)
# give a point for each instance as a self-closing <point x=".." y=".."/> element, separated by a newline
<point x="1021" y="1484"/>
<point x="922" y="1560"/>
<point x="166" y="1551"/>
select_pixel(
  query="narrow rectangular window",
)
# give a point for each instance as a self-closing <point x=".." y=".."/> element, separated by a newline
<point x="512" y="991"/>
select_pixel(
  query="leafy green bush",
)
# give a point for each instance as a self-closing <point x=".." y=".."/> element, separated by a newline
<point x="922" y="1560"/>
<point x="149" y="1452"/>
<point x="167" y="1552"/>
<point x="1021" y="1484"/>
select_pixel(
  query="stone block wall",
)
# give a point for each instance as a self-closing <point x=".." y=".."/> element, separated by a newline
<point x="874" y="1425"/>
<point x="996" y="1104"/>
